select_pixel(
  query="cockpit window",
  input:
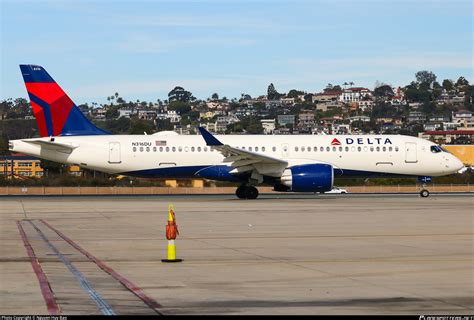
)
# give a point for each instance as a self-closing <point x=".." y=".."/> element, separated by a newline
<point x="436" y="149"/>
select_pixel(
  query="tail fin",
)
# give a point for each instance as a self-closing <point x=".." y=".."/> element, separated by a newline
<point x="55" y="112"/>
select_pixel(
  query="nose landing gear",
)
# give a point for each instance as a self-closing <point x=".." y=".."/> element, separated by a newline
<point x="424" y="193"/>
<point x="246" y="192"/>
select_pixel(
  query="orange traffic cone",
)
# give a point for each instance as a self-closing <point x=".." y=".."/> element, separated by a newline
<point x="171" y="233"/>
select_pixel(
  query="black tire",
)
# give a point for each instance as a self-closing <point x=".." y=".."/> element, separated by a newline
<point x="251" y="193"/>
<point x="424" y="193"/>
<point x="240" y="192"/>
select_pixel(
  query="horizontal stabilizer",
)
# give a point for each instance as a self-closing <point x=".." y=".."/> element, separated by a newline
<point x="50" y="144"/>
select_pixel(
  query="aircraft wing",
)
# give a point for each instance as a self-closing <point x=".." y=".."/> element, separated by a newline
<point x="243" y="160"/>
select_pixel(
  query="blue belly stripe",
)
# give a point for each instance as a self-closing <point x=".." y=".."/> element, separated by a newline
<point x="221" y="172"/>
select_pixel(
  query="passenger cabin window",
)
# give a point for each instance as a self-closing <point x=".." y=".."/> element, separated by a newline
<point x="274" y="149"/>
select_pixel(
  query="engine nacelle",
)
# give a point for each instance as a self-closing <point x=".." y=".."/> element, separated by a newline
<point x="317" y="177"/>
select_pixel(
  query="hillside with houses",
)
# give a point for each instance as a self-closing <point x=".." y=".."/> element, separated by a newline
<point x="440" y="112"/>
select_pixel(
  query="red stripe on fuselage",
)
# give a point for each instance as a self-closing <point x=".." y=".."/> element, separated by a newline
<point x="40" y="119"/>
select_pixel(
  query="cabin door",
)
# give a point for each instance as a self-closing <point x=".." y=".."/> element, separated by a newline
<point x="410" y="152"/>
<point x="114" y="152"/>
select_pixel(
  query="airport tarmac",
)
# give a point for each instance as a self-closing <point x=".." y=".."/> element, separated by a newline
<point x="294" y="254"/>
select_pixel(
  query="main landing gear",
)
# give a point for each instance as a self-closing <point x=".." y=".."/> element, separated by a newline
<point x="246" y="192"/>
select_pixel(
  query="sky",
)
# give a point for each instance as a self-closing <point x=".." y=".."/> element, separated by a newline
<point x="143" y="49"/>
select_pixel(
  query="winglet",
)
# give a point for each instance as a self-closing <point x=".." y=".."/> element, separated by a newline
<point x="209" y="138"/>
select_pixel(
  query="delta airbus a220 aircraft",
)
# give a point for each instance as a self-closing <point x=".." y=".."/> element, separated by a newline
<point x="300" y="163"/>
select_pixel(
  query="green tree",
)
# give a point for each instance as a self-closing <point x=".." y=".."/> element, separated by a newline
<point x="138" y="126"/>
<point x="462" y="82"/>
<point x="180" y="94"/>
<point x="293" y="93"/>
<point x="215" y="96"/>
<point x="115" y="126"/>
<point x="180" y="107"/>
<point x="469" y="97"/>
<point x="163" y="125"/>
<point x="425" y="79"/>
<point x="448" y="85"/>
<point x="384" y="91"/>
<point x="272" y="94"/>
<point x="112" y="113"/>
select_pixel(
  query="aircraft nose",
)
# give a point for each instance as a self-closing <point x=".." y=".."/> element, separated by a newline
<point x="458" y="164"/>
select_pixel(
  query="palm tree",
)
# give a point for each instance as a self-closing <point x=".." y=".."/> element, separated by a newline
<point x="345" y="84"/>
<point x="351" y="83"/>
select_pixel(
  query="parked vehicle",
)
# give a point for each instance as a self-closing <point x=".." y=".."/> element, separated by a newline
<point x="337" y="190"/>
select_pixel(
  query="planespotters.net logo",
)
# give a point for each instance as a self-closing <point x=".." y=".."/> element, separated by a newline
<point x="424" y="317"/>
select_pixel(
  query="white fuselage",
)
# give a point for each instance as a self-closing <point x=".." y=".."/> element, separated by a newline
<point x="128" y="154"/>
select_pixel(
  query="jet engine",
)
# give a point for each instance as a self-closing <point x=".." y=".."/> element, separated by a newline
<point x="317" y="177"/>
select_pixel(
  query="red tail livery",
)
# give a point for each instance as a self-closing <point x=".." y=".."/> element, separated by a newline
<point x="54" y="111"/>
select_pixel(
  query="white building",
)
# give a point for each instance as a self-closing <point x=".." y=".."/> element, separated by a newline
<point x="147" y="114"/>
<point x="462" y="115"/>
<point x="268" y="125"/>
<point x="355" y="94"/>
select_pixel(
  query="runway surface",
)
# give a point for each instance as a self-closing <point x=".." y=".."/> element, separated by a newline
<point x="289" y="254"/>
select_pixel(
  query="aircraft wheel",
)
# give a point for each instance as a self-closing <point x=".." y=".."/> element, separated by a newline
<point x="424" y="193"/>
<point x="240" y="192"/>
<point x="251" y="193"/>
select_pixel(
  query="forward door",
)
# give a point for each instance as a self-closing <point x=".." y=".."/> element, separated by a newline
<point x="410" y="152"/>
